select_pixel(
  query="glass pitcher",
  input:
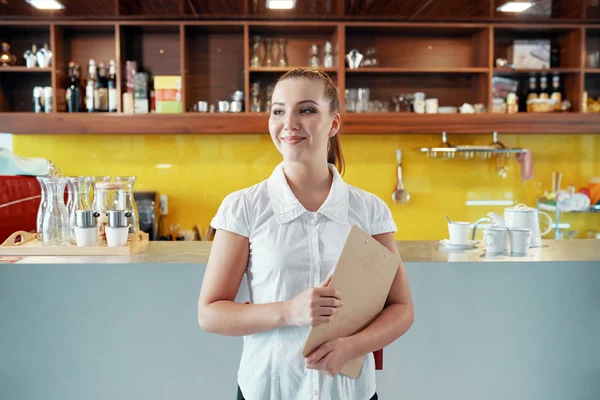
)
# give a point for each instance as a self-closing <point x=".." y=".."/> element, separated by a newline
<point x="255" y="57"/>
<point x="269" y="58"/>
<point x="282" y="60"/>
<point x="42" y="207"/>
<point x="55" y="225"/>
<point x="108" y="196"/>
<point x="130" y="206"/>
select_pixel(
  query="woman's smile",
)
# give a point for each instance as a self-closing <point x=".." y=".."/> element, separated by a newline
<point x="292" y="139"/>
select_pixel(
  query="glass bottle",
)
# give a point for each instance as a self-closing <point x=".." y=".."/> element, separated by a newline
<point x="42" y="207"/>
<point x="269" y="57"/>
<point x="282" y="60"/>
<point x="55" y="225"/>
<point x="73" y="202"/>
<point x="328" y="55"/>
<point x="130" y="206"/>
<point x="314" y="56"/>
<point x="113" y="96"/>
<point x="255" y="58"/>
<point x="73" y="93"/>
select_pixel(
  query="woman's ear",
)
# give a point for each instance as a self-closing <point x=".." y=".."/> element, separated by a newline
<point x="336" y="124"/>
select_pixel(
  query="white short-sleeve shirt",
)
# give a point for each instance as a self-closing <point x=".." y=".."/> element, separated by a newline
<point x="292" y="250"/>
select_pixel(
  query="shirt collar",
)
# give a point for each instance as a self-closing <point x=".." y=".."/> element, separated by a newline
<point x="287" y="207"/>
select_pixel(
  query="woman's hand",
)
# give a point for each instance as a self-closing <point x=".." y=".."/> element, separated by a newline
<point x="314" y="306"/>
<point x="331" y="356"/>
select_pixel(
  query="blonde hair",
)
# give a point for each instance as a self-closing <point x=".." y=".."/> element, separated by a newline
<point x="334" y="148"/>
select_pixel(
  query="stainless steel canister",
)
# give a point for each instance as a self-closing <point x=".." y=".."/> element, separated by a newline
<point x="118" y="218"/>
<point x="86" y="218"/>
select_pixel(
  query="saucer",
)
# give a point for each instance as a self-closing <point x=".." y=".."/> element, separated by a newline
<point x="471" y="244"/>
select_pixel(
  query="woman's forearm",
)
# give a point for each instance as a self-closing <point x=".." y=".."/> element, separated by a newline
<point x="228" y="318"/>
<point x="393" y="322"/>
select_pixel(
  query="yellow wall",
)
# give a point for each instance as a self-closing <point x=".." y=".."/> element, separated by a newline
<point x="204" y="168"/>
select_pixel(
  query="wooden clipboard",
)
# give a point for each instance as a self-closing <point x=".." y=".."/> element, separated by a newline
<point x="363" y="275"/>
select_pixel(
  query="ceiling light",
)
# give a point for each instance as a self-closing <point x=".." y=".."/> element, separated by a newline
<point x="281" y="4"/>
<point x="46" y="4"/>
<point x="515" y="6"/>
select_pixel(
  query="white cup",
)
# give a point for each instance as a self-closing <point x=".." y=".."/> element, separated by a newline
<point x="86" y="236"/>
<point x="116" y="236"/>
<point x="459" y="232"/>
<point x="494" y="239"/>
<point x="431" y="106"/>
<point x="519" y="241"/>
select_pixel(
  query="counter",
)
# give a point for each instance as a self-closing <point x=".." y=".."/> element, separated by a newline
<point x="410" y="251"/>
<point x="126" y="327"/>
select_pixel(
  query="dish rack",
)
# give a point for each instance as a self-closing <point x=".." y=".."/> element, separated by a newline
<point x="447" y="151"/>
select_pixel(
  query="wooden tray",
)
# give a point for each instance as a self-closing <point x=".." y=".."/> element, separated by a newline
<point x="31" y="245"/>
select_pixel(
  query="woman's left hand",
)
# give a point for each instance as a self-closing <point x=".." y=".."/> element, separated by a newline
<point x="331" y="356"/>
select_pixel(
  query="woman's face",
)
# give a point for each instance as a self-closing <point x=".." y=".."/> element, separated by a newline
<point x="301" y="123"/>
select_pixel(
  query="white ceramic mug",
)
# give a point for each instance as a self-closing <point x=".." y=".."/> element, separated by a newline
<point x="86" y="236"/>
<point x="494" y="238"/>
<point x="116" y="236"/>
<point x="519" y="241"/>
<point x="459" y="232"/>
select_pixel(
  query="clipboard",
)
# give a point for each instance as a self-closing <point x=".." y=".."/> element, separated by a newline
<point x="363" y="275"/>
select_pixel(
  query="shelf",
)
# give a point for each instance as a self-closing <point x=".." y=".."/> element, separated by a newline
<point x="286" y="69"/>
<point x="508" y="71"/>
<point x="21" y="68"/>
<point x="552" y="208"/>
<point x="592" y="71"/>
<point x="475" y="70"/>
<point x="257" y="123"/>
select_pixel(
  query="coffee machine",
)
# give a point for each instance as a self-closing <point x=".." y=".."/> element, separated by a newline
<point x="148" y="205"/>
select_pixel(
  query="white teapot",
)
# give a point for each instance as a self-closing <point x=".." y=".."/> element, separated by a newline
<point x="521" y="216"/>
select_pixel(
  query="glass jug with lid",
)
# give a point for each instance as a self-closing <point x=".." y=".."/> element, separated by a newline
<point x="130" y="206"/>
<point x="108" y="196"/>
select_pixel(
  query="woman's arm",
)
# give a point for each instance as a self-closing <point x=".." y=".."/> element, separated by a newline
<point x="218" y="313"/>
<point x="397" y="316"/>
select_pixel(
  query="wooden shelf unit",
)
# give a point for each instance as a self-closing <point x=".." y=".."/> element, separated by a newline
<point x="451" y="61"/>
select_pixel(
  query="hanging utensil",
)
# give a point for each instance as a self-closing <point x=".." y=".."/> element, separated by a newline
<point x="400" y="195"/>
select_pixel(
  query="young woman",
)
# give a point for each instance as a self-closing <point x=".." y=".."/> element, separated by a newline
<point x="286" y="234"/>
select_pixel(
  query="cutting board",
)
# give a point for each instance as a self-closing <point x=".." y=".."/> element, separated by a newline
<point x="363" y="275"/>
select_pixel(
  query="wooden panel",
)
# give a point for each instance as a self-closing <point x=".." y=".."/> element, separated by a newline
<point x="216" y="60"/>
<point x="257" y="123"/>
<point x="82" y="43"/>
<point x="149" y="8"/>
<point x="17" y="91"/>
<point x="544" y="10"/>
<point x="21" y="38"/>
<point x="522" y="123"/>
<point x="341" y="44"/>
<point x="592" y="85"/>
<point x="450" y="89"/>
<point x="298" y="42"/>
<point x="60" y="66"/>
<point x="184" y="65"/>
<point x="569" y="83"/>
<point x="156" y="49"/>
<point x="421" y="48"/>
<point x="568" y="40"/>
<point x="305" y="9"/>
<point x="418" y="9"/>
<point x="73" y="8"/>
<point x="214" y="8"/>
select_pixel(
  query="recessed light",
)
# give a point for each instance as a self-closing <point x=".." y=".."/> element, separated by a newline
<point x="515" y="6"/>
<point x="46" y="4"/>
<point x="281" y="4"/>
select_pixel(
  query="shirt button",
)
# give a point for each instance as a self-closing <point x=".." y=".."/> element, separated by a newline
<point x="316" y="262"/>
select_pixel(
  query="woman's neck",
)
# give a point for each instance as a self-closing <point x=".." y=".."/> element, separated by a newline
<point x="310" y="183"/>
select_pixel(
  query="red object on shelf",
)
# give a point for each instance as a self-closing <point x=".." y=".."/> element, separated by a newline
<point x="19" y="203"/>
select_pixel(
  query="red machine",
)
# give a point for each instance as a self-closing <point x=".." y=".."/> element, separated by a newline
<point x="19" y="203"/>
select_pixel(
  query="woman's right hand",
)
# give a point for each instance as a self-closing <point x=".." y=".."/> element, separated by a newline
<point x="314" y="306"/>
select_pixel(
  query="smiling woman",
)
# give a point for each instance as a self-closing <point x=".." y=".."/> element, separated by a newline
<point x="285" y="234"/>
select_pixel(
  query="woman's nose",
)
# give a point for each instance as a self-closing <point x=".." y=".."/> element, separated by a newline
<point x="290" y="122"/>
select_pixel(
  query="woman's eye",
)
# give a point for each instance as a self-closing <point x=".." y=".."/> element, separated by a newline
<point x="307" y="111"/>
<point x="277" y="112"/>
